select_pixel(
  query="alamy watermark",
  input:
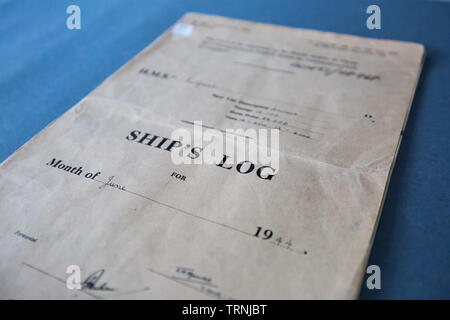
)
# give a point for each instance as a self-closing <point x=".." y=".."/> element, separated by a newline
<point x="374" y="280"/>
<point x="374" y="20"/>
<point x="246" y="149"/>
<point x="74" y="20"/>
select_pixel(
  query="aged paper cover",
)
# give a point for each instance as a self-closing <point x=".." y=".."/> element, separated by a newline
<point x="340" y="103"/>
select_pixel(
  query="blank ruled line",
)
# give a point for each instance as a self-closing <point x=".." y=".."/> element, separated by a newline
<point x="181" y="210"/>
<point x="190" y="214"/>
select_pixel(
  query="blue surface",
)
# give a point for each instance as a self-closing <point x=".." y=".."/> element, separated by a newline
<point x="46" y="68"/>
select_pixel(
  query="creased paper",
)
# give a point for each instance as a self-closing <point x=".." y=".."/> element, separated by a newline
<point x="80" y="194"/>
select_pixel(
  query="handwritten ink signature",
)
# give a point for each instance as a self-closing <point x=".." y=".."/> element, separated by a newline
<point x="111" y="184"/>
<point x="205" y="284"/>
<point x="92" y="280"/>
<point x="191" y="275"/>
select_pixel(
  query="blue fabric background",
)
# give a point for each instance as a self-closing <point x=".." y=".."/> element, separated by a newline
<point x="46" y="68"/>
